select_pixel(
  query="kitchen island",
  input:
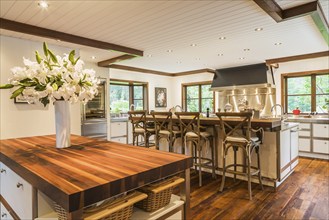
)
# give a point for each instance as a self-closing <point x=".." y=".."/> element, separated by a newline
<point x="87" y="172"/>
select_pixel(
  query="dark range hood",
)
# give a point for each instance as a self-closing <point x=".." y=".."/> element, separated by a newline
<point x="256" y="75"/>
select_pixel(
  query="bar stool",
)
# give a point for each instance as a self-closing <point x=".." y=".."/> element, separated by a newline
<point x="239" y="136"/>
<point x="164" y="129"/>
<point x="140" y="127"/>
<point x="191" y="132"/>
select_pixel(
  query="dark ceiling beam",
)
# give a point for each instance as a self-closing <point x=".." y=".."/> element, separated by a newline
<point x="278" y="14"/>
<point x="148" y="71"/>
<point x="44" y="32"/>
<point x="271" y="8"/>
<point x="107" y="63"/>
<point x="321" y="22"/>
<point x="297" y="57"/>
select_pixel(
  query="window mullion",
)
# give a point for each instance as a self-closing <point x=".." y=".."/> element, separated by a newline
<point x="313" y="93"/>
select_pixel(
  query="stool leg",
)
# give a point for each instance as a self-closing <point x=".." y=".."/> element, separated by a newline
<point x="224" y="170"/>
<point x="235" y="149"/>
<point x="259" y="169"/>
<point x="200" y="172"/>
<point x="211" y="145"/>
<point x="249" y="175"/>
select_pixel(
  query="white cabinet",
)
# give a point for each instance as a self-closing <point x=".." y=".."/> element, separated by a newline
<point x="4" y="213"/>
<point x="119" y="132"/>
<point x="321" y="130"/>
<point x="285" y="152"/>
<point x="17" y="192"/>
<point x="321" y="146"/>
<point x="305" y="144"/>
<point x="294" y="147"/>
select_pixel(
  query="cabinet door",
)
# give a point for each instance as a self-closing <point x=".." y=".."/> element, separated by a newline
<point x="304" y="144"/>
<point x="294" y="147"/>
<point x="4" y="213"/>
<point x="321" y="130"/>
<point x="321" y="146"/>
<point x="285" y="153"/>
<point x="118" y="129"/>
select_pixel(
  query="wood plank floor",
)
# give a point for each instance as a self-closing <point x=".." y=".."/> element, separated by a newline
<point x="304" y="195"/>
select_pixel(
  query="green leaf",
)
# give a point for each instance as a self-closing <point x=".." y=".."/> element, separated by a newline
<point x="45" y="49"/>
<point x="52" y="56"/>
<point x="71" y="56"/>
<point x="17" y="92"/>
<point x="27" y="84"/>
<point x="49" y="66"/>
<point x="40" y="87"/>
<point x="6" y="86"/>
<point x="38" y="57"/>
<point x="76" y="61"/>
<point x="88" y="83"/>
<point x="44" y="101"/>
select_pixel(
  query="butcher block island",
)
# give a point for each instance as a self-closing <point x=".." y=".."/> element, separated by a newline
<point x="87" y="172"/>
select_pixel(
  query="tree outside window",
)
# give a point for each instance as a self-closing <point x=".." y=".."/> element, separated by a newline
<point x="307" y="91"/>
<point x="197" y="97"/>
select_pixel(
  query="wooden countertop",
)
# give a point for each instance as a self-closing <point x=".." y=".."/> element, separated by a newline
<point x="89" y="171"/>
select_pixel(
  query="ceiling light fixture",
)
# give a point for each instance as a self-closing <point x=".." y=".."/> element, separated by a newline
<point x="277" y="44"/>
<point x="149" y="55"/>
<point x="93" y="57"/>
<point x="193" y="45"/>
<point x="258" y="29"/>
<point x="242" y="58"/>
<point x="43" y="4"/>
<point x="246" y="49"/>
<point x="198" y="58"/>
<point x="222" y="38"/>
<point x="170" y="51"/>
<point x="220" y="54"/>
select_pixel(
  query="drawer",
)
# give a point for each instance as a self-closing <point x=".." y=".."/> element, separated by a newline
<point x="4" y="213"/>
<point x="17" y="192"/>
<point x="122" y="140"/>
<point x="118" y="129"/>
<point x="304" y="144"/>
<point x="305" y="133"/>
<point x="321" y="146"/>
<point x="305" y="126"/>
<point x="321" y="130"/>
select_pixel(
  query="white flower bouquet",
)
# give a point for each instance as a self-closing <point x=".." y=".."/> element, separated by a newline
<point x="53" y="78"/>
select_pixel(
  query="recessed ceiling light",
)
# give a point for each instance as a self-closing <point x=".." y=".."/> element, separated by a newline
<point x="258" y="29"/>
<point x="278" y="43"/>
<point x="149" y="55"/>
<point x="222" y="38"/>
<point x="242" y="58"/>
<point x="246" y="49"/>
<point x="93" y="57"/>
<point x="170" y="51"/>
<point x="193" y="45"/>
<point x="43" y="4"/>
<point x="198" y="58"/>
<point x="220" y="54"/>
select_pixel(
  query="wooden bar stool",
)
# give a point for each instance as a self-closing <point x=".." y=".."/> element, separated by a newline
<point x="140" y="127"/>
<point x="239" y="137"/>
<point x="191" y="132"/>
<point x="164" y="129"/>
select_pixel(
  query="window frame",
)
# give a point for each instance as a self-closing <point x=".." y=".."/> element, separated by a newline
<point x="199" y="84"/>
<point x="284" y="87"/>
<point x="131" y="84"/>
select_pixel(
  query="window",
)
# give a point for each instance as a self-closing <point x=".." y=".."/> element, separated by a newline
<point x="125" y="93"/>
<point x="307" y="91"/>
<point x="197" y="97"/>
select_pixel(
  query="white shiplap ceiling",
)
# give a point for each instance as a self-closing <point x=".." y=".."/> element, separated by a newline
<point x="158" y="26"/>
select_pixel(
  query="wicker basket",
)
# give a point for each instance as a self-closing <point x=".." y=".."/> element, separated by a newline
<point x="120" y="208"/>
<point x="159" y="194"/>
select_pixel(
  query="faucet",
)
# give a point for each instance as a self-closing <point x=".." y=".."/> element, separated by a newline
<point x="273" y="107"/>
<point x="178" y="106"/>
<point x="131" y="108"/>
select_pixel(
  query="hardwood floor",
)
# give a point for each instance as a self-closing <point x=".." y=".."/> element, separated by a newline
<point x="304" y="195"/>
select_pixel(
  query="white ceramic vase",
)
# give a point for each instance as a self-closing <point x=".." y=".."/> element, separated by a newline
<point x="63" y="124"/>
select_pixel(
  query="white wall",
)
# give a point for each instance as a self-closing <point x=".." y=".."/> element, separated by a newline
<point x="297" y="66"/>
<point x="22" y="120"/>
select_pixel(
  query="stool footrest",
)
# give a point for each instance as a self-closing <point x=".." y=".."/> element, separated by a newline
<point x="255" y="172"/>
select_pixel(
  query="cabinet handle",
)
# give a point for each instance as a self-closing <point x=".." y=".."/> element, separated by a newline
<point x="18" y="185"/>
<point x="3" y="171"/>
<point x="4" y="215"/>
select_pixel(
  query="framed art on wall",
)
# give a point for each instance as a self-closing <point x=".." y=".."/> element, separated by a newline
<point x="160" y="97"/>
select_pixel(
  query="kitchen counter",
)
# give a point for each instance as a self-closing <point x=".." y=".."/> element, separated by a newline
<point x="90" y="170"/>
<point x="320" y="120"/>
